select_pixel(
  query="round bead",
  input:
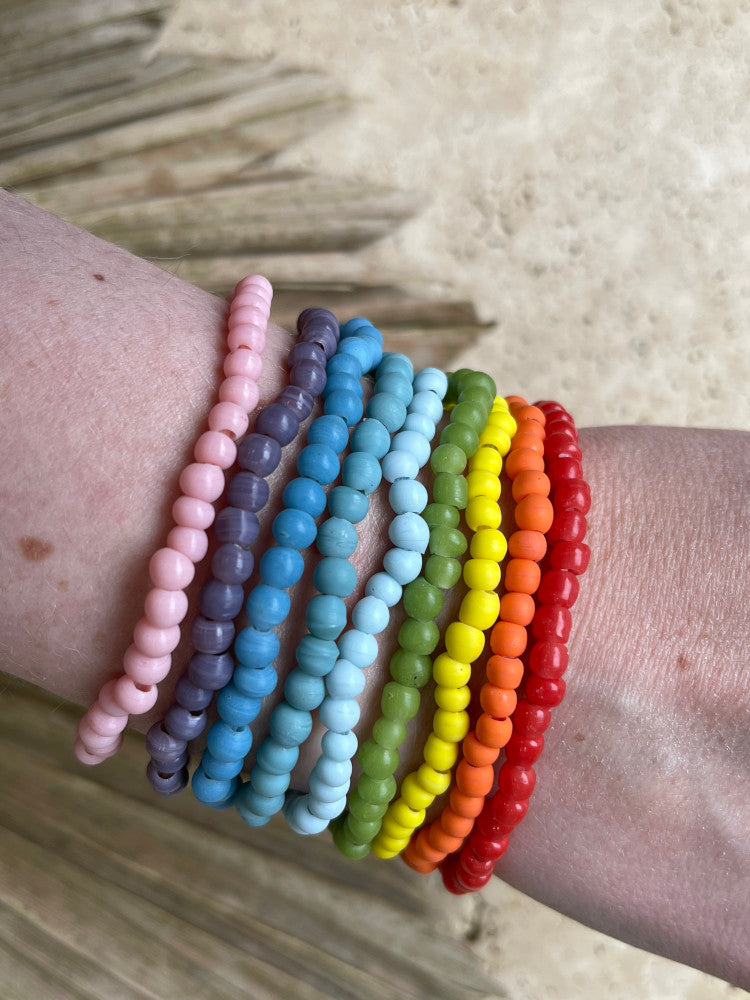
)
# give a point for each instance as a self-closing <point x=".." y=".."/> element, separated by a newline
<point x="360" y="648"/>
<point x="325" y="616"/>
<point x="384" y="587"/>
<point x="259" y="453"/>
<point x="303" y="690"/>
<point x="281" y="566"/>
<point x="229" y="419"/>
<point x="370" y="615"/>
<point x="318" y="462"/>
<point x="337" y="537"/>
<point x="399" y="465"/>
<point x="402" y="564"/>
<point x="305" y="494"/>
<point x="361" y="471"/>
<point x="290" y="726"/>
<point x="329" y="430"/>
<point x="209" y="671"/>
<point x="236" y="525"/>
<point x="345" y="680"/>
<point x="247" y="491"/>
<point x="170" y="570"/>
<point x="348" y="503"/>
<point x="203" y="481"/>
<point x="295" y="529"/>
<point x="267" y="607"/>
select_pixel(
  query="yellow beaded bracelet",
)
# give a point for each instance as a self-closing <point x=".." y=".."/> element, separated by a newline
<point x="464" y="639"/>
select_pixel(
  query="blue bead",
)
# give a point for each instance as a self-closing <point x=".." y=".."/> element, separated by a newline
<point x="295" y="528"/>
<point x="325" y="616"/>
<point x="371" y="435"/>
<point x="268" y="785"/>
<point x="326" y="810"/>
<point x="345" y="680"/>
<point x="331" y="430"/>
<point x="400" y="465"/>
<point x="301" y="820"/>
<point x="361" y="471"/>
<point x="388" y="409"/>
<point x="318" y="462"/>
<point x="345" y="405"/>
<point x="339" y="714"/>
<point x="220" y="770"/>
<point x="429" y="404"/>
<point x="304" y="691"/>
<point x="341" y="380"/>
<point x="344" y="364"/>
<point x="316" y="656"/>
<point x="289" y="726"/>
<point x="420" y="424"/>
<point x="321" y="791"/>
<point x="360" y="648"/>
<point x="414" y="443"/>
<point x="365" y="349"/>
<point x="256" y="648"/>
<point x="227" y="742"/>
<point x="339" y="746"/>
<point x="305" y="494"/>
<point x="404" y="566"/>
<point x="212" y="790"/>
<point x="407" y="495"/>
<point x="362" y="325"/>
<point x="395" y="363"/>
<point x="398" y="385"/>
<point x="383" y="585"/>
<point x="409" y="531"/>
<point x="370" y="615"/>
<point x="250" y="817"/>
<point x="275" y="759"/>
<point x="281" y="566"/>
<point x="262" y="805"/>
<point x="266" y="607"/>
<point x="337" y="537"/>
<point x="235" y="707"/>
<point x="335" y="576"/>
<point x="255" y="682"/>
<point x="333" y="772"/>
<point x="431" y="379"/>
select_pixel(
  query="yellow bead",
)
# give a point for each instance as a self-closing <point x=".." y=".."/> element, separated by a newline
<point x="387" y="847"/>
<point x="483" y="484"/>
<point x="463" y="642"/>
<point x="433" y="781"/>
<point x="449" y="672"/>
<point x="504" y="421"/>
<point x="494" y="437"/>
<point x="402" y="813"/>
<point x="440" y="753"/>
<point x="486" y="459"/>
<point x="397" y="831"/>
<point x="450" y="726"/>
<point x="414" y="795"/>
<point x="481" y="512"/>
<point x="481" y="574"/>
<point x="452" y="699"/>
<point x="479" y="608"/>
<point x="488" y="543"/>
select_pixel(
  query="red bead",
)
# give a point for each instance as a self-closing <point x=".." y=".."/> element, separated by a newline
<point x="572" y="494"/>
<point x="567" y="526"/>
<point x="468" y="882"/>
<point x="530" y="720"/>
<point x="546" y="691"/>
<point x="561" y="444"/>
<point x="563" y="468"/>
<point x="560" y="423"/>
<point x="558" y="586"/>
<point x="450" y="881"/>
<point x="551" y="622"/>
<point x="525" y="750"/>
<point x="548" y="658"/>
<point x="549" y="406"/>
<point x="570" y="555"/>
<point x="509" y="811"/>
<point x="470" y="862"/>
<point x="516" y="782"/>
<point x="486" y="832"/>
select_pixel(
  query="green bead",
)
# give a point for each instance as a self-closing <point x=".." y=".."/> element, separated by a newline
<point x="361" y="830"/>
<point x="451" y="393"/>
<point x="410" y="669"/>
<point x="363" y="809"/>
<point x="471" y="414"/>
<point x="448" y="542"/>
<point x="345" y="843"/>
<point x="422" y="600"/>
<point x="470" y="379"/>
<point x="441" y="514"/>
<point x="447" y="488"/>
<point x="464" y="436"/>
<point x="398" y="702"/>
<point x="449" y="458"/>
<point x="477" y="394"/>
<point x="378" y="762"/>
<point x="377" y="792"/>
<point x="419" y="637"/>
<point x="389" y="733"/>
<point x="442" y="571"/>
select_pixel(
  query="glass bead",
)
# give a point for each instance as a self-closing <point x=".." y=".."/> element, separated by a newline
<point x="360" y="648"/>
<point x="375" y="791"/>
<point x="236" y="525"/>
<point x="330" y="430"/>
<point x="267" y="607"/>
<point x="397" y="385"/>
<point x="192" y="697"/>
<point x="413" y="443"/>
<point x="388" y="409"/>
<point x="435" y="782"/>
<point x="290" y="726"/>
<point x="370" y="615"/>
<point x="256" y="647"/>
<point x="346" y="405"/>
<point x="481" y="574"/>
<point x="442" y="571"/>
<point x="318" y="462"/>
<point x="362" y="809"/>
<point x="339" y="746"/>
<point x="448" y="457"/>
<point x="325" y="616"/>
<point x="210" y="790"/>
<point x="365" y="349"/>
<point x="281" y="566"/>
<point x="236" y="708"/>
<point x="345" y="680"/>
<point x="389" y="733"/>
<point x="399" y="465"/>
<point x="480" y="609"/>
<point x="450" y="489"/>
<point x="463" y="436"/>
<point x="418" y="637"/>
<point x="407" y="496"/>
<point x="294" y="528"/>
<point x="361" y="830"/>
<point x="489" y="543"/>
<point x="221" y="601"/>
<point x="349" y="503"/>
<point x="339" y="715"/>
<point x="316" y="656"/>
<point x="383" y="586"/>
<point x="247" y="491"/>
<point x="220" y="770"/>
<point x="371" y="436"/>
<point x="231" y="563"/>
<point x="377" y="761"/>
<point x="414" y="795"/>
<point x="399" y="702"/>
<point x="428" y="404"/>
<point x="210" y="671"/>
<point x="410" y="532"/>
<point x="470" y="414"/>
<point x="548" y="658"/>
<point x="255" y="682"/>
<point x="422" y="600"/>
<point x="448" y="542"/>
<point x="268" y="785"/>
<point x="209" y="636"/>
<point x="410" y="669"/>
<point x="463" y="642"/>
<point x="481" y="512"/>
<point x="275" y="758"/>
<point x="228" y="743"/>
<point x="450" y="672"/>
<point x="361" y="471"/>
<point x="452" y="699"/>
<point x="333" y="772"/>
<point x="321" y="791"/>
<point x="183" y="724"/>
<point x="450" y="726"/>
<point x="489" y="460"/>
<point x="441" y="515"/>
<point x="551" y="621"/>
<point x="402" y="564"/>
<point x="259" y="454"/>
<point x="338" y="381"/>
<point x="440" y="751"/>
<point x="336" y="576"/>
<point x="305" y="494"/>
<point x="304" y="691"/>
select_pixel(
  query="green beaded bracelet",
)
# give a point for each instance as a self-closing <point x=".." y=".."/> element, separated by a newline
<point x="469" y="399"/>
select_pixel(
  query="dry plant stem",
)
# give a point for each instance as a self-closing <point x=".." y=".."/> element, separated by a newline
<point x="639" y="822"/>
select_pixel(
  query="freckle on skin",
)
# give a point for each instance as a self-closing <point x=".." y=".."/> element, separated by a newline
<point x="100" y="277"/>
<point x="62" y="585"/>
<point x="35" y="549"/>
<point x="579" y="737"/>
<point x="53" y="302"/>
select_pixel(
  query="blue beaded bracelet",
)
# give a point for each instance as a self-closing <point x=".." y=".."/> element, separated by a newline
<point x="409" y="451"/>
<point x="216" y="781"/>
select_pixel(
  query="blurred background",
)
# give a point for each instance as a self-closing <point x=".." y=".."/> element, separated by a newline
<point x="556" y="193"/>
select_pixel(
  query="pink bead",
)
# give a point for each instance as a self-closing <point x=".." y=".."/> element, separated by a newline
<point x="216" y="448"/>
<point x="93" y="741"/>
<point x="192" y="513"/>
<point x="103" y="723"/>
<point x="257" y="282"/>
<point x="153" y="641"/>
<point x="202" y="480"/>
<point x="170" y="570"/>
<point x="229" y="419"/>
<point x="166" y="607"/>
<point x="243" y="362"/>
<point x="241" y="315"/>
<point x="107" y="699"/>
<point x="132" y="698"/>
<point x="145" y="670"/>
<point x="249" y="297"/>
<point x="90" y="759"/>
<point x="247" y="335"/>
<point x="240" y="390"/>
<point x="191" y="542"/>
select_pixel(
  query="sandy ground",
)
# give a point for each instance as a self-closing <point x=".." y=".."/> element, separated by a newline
<point x="585" y="178"/>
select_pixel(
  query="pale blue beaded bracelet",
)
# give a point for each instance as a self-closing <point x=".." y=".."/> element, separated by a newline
<point x="311" y="812"/>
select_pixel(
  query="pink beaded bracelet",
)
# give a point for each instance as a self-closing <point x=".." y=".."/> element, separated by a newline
<point x="148" y="660"/>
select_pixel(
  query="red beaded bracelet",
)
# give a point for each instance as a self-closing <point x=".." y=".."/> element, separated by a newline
<point x="544" y="687"/>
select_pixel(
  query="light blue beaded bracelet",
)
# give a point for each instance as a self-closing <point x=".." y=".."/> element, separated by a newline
<point x="409" y="451"/>
<point x="216" y="781"/>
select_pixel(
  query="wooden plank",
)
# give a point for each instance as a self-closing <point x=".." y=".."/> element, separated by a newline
<point x="24" y="26"/>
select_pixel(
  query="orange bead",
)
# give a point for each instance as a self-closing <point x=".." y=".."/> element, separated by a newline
<point x="530" y="481"/>
<point x="424" y="849"/>
<point x="527" y="545"/>
<point x="515" y="401"/>
<point x="523" y="458"/>
<point x="504" y="671"/>
<point x="534" y="513"/>
<point x="528" y="439"/>
<point x="455" y="825"/>
<point x="518" y="608"/>
<point x="529" y="413"/>
<point x="475" y="780"/>
<point x="462" y="804"/>
<point x="499" y="702"/>
<point x="414" y="861"/>
<point x="493" y="732"/>
<point x="477" y="754"/>
<point x="443" y="841"/>
<point x="522" y="575"/>
<point x="508" y="639"/>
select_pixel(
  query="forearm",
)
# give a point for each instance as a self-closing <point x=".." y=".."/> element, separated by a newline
<point x="639" y="822"/>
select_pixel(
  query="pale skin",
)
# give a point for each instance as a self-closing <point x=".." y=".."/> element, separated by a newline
<point x="639" y="822"/>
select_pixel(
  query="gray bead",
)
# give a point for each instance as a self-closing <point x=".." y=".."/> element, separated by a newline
<point x="221" y="602"/>
<point x="190" y="696"/>
<point x="232" y="564"/>
<point x="167" y="784"/>
<point x="209" y="670"/>
<point x="233" y="524"/>
<point x="278" y="422"/>
<point x="211" y="636"/>
<point x="184" y="725"/>
<point x="248" y="491"/>
<point x="259" y="453"/>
